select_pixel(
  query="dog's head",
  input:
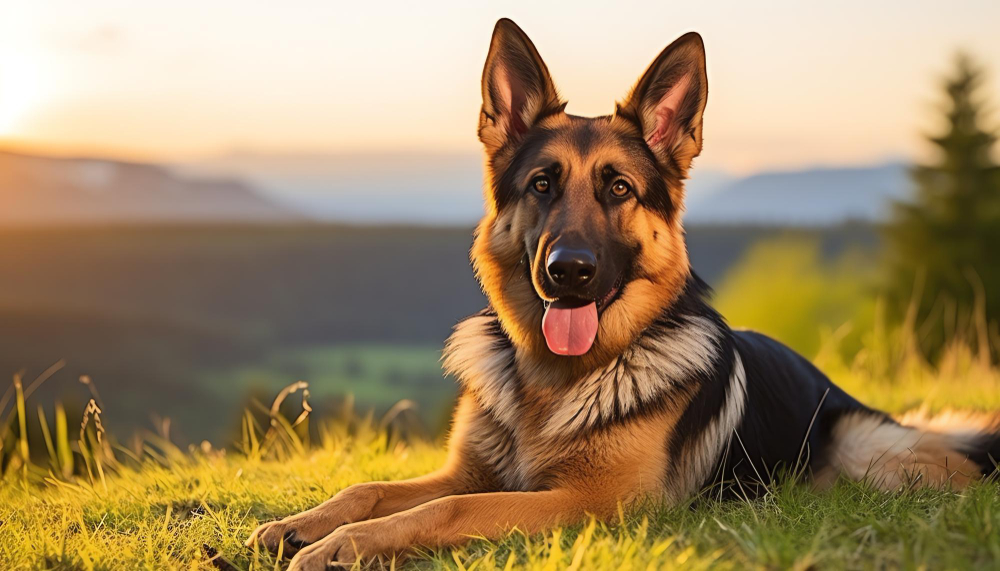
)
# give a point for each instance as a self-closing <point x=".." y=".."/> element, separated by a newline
<point x="582" y="245"/>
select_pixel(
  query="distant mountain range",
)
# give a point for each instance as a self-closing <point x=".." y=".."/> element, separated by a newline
<point x="430" y="188"/>
<point x="409" y="188"/>
<point x="37" y="190"/>
<point x="819" y="196"/>
<point x="446" y="189"/>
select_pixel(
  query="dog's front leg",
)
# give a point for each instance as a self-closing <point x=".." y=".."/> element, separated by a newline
<point x="354" y="504"/>
<point x="451" y="521"/>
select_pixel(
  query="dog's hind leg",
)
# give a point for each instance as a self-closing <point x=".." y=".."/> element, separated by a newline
<point x="939" y="452"/>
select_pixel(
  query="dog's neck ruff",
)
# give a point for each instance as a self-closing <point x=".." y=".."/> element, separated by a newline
<point x="682" y="345"/>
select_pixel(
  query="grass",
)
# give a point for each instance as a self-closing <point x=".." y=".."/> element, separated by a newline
<point x="77" y="499"/>
<point x="177" y="516"/>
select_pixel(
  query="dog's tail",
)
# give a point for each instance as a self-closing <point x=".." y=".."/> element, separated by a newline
<point x="947" y="449"/>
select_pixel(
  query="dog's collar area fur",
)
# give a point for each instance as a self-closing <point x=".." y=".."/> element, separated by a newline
<point x="683" y="346"/>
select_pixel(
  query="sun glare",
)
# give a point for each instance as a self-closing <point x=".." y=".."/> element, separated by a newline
<point x="20" y="90"/>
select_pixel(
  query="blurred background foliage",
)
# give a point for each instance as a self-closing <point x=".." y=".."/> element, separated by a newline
<point x="784" y="287"/>
<point x="943" y="246"/>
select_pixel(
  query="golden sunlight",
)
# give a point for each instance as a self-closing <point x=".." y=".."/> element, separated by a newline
<point x="21" y="90"/>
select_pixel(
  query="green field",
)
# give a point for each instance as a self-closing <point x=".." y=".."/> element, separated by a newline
<point x="96" y="504"/>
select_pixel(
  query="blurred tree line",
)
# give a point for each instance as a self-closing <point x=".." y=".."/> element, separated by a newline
<point x="944" y="245"/>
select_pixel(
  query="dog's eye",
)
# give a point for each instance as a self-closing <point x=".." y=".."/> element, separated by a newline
<point x="541" y="184"/>
<point x="620" y="188"/>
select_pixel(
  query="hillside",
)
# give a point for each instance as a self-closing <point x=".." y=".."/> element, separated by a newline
<point x="36" y="190"/>
<point x="821" y="196"/>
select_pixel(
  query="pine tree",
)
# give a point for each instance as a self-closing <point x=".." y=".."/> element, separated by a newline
<point x="944" y="245"/>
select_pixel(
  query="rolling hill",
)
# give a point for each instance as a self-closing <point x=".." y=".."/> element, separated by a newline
<point x="819" y="196"/>
<point x="36" y="190"/>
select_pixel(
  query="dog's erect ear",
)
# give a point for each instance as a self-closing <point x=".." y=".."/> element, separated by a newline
<point x="517" y="89"/>
<point x="669" y="99"/>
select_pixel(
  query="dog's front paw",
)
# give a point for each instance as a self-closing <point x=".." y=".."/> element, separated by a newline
<point x="271" y="535"/>
<point x="298" y="531"/>
<point x="291" y="534"/>
<point x="349" y="544"/>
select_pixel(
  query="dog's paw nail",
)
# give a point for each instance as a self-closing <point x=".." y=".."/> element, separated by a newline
<point x="294" y="541"/>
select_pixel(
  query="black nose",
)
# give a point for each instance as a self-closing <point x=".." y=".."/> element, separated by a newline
<point x="570" y="267"/>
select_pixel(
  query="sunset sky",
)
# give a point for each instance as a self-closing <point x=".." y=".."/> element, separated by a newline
<point x="791" y="83"/>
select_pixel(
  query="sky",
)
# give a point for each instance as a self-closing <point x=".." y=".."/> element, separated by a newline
<point x="792" y="84"/>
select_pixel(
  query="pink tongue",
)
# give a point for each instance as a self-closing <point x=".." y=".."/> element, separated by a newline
<point x="570" y="330"/>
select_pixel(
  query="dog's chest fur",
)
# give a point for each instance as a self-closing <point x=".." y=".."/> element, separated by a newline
<point x="530" y="433"/>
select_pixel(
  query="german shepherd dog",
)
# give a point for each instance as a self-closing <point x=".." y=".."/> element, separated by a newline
<point x="598" y="375"/>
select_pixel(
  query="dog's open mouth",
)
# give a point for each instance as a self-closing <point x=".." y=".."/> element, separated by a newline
<point x="570" y="325"/>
